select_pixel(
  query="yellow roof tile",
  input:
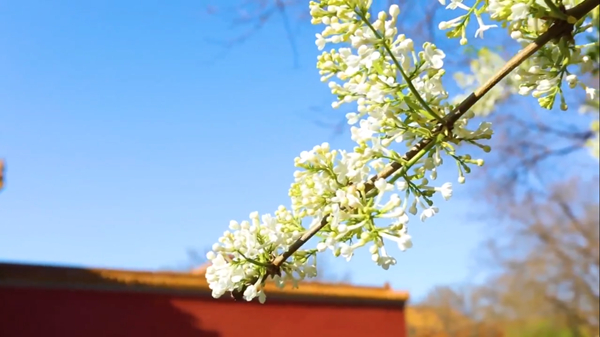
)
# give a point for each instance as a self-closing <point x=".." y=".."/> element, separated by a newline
<point x="68" y="276"/>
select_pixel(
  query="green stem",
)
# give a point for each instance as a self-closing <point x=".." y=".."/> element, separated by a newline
<point x="407" y="165"/>
<point x="253" y="261"/>
<point x="431" y="114"/>
<point x="555" y="10"/>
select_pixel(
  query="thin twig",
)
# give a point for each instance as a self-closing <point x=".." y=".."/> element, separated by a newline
<point x="556" y="31"/>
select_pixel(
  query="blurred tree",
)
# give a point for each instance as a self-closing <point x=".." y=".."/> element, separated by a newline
<point x="546" y="280"/>
<point x="450" y="312"/>
<point x="548" y="260"/>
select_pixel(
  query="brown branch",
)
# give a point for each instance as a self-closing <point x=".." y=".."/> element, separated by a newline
<point x="556" y="31"/>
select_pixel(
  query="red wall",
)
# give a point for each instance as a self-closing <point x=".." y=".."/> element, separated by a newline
<point x="28" y="312"/>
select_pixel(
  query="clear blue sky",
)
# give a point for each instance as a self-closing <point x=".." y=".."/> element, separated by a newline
<point x="126" y="143"/>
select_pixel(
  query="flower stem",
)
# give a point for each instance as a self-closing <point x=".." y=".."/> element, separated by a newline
<point x="431" y="114"/>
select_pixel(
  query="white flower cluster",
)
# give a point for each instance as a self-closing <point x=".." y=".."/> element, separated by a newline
<point x="543" y="74"/>
<point x="243" y="253"/>
<point x="563" y="61"/>
<point x="354" y="199"/>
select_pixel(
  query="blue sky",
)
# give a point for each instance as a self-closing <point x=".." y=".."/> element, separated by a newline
<point x="127" y="142"/>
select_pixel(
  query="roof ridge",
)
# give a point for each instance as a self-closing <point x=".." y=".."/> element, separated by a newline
<point x="201" y="271"/>
<point x="71" y="276"/>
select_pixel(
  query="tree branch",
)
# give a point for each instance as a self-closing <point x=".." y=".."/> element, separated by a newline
<point x="556" y="31"/>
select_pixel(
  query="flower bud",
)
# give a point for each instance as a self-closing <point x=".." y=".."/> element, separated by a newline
<point x="394" y="10"/>
<point x="572" y="80"/>
<point x="337" y="252"/>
